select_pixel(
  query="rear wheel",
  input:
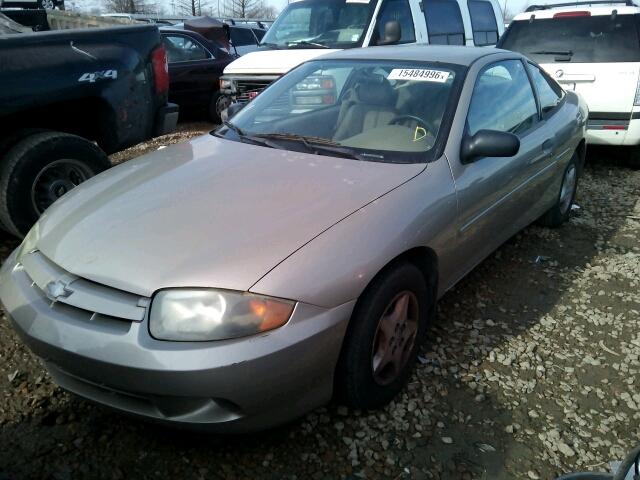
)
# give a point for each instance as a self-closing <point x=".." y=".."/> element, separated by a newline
<point x="384" y="336"/>
<point x="38" y="170"/>
<point x="561" y="210"/>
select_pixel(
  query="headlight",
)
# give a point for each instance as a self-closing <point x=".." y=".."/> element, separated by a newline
<point x="205" y="315"/>
<point x="225" y="84"/>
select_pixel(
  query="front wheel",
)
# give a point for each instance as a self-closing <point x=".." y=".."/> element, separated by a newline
<point x="559" y="213"/>
<point x="38" y="170"/>
<point x="383" y="339"/>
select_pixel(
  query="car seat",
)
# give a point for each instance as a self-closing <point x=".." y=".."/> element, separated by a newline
<point x="370" y="104"/>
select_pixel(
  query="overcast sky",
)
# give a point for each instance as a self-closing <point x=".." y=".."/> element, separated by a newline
<point x="513" y="6"/>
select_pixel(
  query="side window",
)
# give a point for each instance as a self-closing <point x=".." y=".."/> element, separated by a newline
<point x="181" y="48"/>
<point x="259" y="33"/>
<point x="444" y="22"/>
<point x="502" y="99"/>
<point x="242" y="37"/>
<point x="549" y="92"/>
<point x="400" y="11"/>
<point x="483" y="21"/>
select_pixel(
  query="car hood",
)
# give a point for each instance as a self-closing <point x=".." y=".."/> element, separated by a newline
<point x="273" y="62"/>
<point x="206" y="213"/>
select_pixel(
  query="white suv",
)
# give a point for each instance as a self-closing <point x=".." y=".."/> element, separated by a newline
<point x="594" y="49"/>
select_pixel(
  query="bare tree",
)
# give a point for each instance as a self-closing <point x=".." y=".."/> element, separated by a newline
<point x="194" y="8"/>
<point x="129" y="6"/>
<point x="248" y="9"/>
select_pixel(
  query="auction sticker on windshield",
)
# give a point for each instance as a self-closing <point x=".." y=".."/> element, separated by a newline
<point x="418" y="75"/>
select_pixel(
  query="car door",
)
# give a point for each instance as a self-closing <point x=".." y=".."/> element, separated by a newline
<point x="194" y="72"/>
<point x="558" y="123"/>
<point x="494" y="194"/>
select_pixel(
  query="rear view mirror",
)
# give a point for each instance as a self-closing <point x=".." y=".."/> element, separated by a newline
<point x="489" y="143"/>
<point x="392" y="33"/>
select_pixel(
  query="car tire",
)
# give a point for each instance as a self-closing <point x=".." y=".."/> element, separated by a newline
<point x="40" y="167"/>
<point x="561" y="210"/>
<point x="363" y="380"/>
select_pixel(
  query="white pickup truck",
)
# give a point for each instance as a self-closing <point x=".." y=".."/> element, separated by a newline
<point x="309" y="28"/>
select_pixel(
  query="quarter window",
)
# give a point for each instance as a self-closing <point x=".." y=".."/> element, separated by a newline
<point x="399" y="11"/>
<point x="502" y="99"/>
<point x="549" y="92"/>
<point x="181" y="48"/>
<point x="483" y="21"/>
<point x="444" y="22"/>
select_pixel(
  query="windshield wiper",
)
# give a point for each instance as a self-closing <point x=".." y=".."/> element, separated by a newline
<point x="251" y="138"/>
<point x="306" y="43"/>
<point x="315" y="145"/>
<point x="566" y="53"/>
<point x="234" y="128"/>
<point x="269" y="45"/>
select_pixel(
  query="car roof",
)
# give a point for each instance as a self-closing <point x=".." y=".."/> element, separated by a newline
<point x="548" y="11"/>
<point x="418" y="52"/>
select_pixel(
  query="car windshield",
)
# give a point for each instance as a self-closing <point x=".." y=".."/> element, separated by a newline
<point x="388" y="111"/>
<point x="576" y="39"/>
<point x="321" y="24"/>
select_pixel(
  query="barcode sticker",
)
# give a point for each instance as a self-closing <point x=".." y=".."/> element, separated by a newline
<point x="418" y="75"/>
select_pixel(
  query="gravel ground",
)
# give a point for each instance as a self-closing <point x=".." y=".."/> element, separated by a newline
<point x="531" y="370"/>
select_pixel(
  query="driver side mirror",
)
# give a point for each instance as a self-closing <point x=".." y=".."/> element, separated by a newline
<point x="489" y="143"/>
<point x="392" y="33"/>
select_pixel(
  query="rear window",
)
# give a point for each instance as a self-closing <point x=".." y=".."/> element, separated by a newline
<point x="242" y="37"/>
<point x="596" y="39"/>
<point x="444" y="22"/>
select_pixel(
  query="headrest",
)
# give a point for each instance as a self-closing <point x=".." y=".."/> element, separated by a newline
<point x="376" y="90"/>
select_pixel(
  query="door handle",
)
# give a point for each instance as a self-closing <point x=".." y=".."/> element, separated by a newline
<point x="548" y="145"/>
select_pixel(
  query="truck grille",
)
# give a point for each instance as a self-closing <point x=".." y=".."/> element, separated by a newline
<point x="89" y="299"/>
<point x="247" y="89"/>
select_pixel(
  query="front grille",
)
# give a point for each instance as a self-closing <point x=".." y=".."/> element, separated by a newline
<point x="79" y="295"/>
<point x="246" y="90"/>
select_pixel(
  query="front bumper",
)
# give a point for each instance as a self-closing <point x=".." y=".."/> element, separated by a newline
<point x="166" y="119"/>
<point x="229" y="386"/>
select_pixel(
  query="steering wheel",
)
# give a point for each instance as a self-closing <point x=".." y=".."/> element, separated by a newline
<point x="401" y="118"/>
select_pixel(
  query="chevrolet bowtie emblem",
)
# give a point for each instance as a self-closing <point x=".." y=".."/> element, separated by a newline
<point x="58" y="289"/>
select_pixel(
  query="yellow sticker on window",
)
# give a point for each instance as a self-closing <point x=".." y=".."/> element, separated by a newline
<point x="419" y="134"/>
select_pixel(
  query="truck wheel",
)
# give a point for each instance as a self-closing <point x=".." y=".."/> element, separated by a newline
<point x="38" y="170"/>
<point x="221" y="103"/>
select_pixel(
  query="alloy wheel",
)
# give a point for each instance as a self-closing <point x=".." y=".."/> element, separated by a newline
<point x="395" y="338"/>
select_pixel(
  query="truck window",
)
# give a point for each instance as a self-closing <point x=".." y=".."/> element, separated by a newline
<point x="579" y="39"/>
<point x="259" y="33"/>
<point x="483" y="22"/>
<point x="181" y="48"/>
<point x="242" y="37"/>
<point x="444" y="22"/>
<point x="321" y="23"/>
<point x="400" y="11"/>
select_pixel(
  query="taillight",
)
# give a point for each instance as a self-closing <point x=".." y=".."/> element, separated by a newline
<point x="160" y="69"/>
<point x="580" y="13"/>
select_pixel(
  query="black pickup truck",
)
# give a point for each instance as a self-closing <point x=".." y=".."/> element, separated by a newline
<point x="67" y="99"/>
